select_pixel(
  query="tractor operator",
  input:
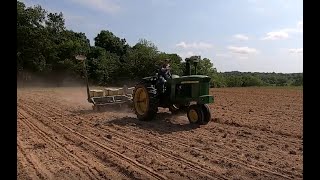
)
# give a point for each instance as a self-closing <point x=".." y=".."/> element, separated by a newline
<point x="165" y="70"/>
<point x="164" y="73"/>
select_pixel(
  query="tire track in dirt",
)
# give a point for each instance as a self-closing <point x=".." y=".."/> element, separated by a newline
<point x="173" y="140"/>
<point x="245" y="164"/>
<point x="243" y="132"/>
<point x="116" y="154"/>
<point x="22" y="173"/>
<point x="25" y="162"/>
<point x="177" y="139"/>
<point x="263" y="118"/>
<point x="235" y="124"/>
<point x="199" y="168"/>
<point x="167" y="140"/>
<point x="227" y="152"/>
<point x="75" y="160"/>
<point x="266" y="100"/>
<point x="176" y="157"/>
<point x="35" y="162"/>
<point x="143" y="144"/>
<point x="123" y="140"/>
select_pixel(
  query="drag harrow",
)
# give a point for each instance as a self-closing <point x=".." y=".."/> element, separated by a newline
<point x="111" y="98"/>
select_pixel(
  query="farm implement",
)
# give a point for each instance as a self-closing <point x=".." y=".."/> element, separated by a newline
<point x="108" y="97"/>
<point x="188" y="94"/>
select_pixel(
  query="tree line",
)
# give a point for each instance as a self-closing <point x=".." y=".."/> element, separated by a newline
<point x="45" y="47"/>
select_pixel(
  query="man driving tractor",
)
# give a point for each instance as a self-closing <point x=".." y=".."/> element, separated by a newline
<point x="164" y="73"/>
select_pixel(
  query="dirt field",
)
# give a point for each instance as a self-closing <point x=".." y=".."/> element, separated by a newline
<point x="255" y="133"/>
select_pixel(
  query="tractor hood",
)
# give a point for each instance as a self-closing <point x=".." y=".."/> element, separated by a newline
<point x="191" y="78"/>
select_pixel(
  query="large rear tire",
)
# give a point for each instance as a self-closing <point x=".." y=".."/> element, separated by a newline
<point x="145" y="102"/>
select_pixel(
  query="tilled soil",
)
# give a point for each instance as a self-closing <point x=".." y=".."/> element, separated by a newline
<point x="255" y="133"/>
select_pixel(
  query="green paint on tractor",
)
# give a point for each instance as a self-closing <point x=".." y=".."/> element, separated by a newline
<point x="185" y="89"/>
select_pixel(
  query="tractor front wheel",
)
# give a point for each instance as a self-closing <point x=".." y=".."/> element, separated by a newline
<point x="195" y="114"/>
<point x="206" y="114"/>
<point x="199" y="114"/>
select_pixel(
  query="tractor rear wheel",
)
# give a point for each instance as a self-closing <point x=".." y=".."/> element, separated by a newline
<point x="145" y="102"/>
<point x="195" y="114"/>
<point x="206" y="114"/>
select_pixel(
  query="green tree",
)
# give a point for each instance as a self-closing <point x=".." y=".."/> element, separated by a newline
<point x="235" y="81"/>
<point x="281" y="81"/>
<point x="249" y="80"/>
<point x="205" y="67"/>
<point x="102" y="65"/>
<point x="298" y="81"/>
<point x="218" y="81"/>
<point x="55" y="22"/>
<point x="30" y="38"/>
<point x="143" y="59"/>
<point x="111" y="43"/>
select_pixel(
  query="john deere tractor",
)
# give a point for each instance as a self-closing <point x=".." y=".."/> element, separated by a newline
<point x="188" y="93"/>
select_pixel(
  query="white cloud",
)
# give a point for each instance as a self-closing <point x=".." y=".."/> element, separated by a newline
<point x="284" y="33"/>
<point x="200" y="45"/>
<point x="296" y="51"/>
<point x="242" y="50"/>
<point x="106" y="6"/>
<point x="276" y="35"/>
<point x="241" y="37"/>
<point x="184" y="55"/>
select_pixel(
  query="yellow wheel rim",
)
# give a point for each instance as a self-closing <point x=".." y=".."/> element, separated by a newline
<point x="141" y="101"/>
<point x="193" y="115"/>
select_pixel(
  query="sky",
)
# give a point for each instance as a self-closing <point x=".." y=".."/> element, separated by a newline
<point x="236" y="35"/>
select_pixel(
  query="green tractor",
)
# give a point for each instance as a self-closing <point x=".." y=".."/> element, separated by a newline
<point x="188" y="93"/>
